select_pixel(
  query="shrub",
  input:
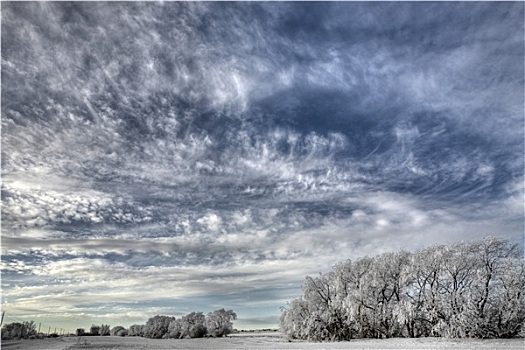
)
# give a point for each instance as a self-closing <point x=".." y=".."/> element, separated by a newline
<point x="119" y="331"/>
<point x="136" y="330"/>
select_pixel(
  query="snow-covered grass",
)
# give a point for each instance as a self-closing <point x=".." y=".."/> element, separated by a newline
<point x="256" y="341"/>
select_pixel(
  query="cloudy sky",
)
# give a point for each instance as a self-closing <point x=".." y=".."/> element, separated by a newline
<point x="162" y="158"/>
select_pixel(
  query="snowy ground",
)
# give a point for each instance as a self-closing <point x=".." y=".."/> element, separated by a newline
<point x="254" y="341"/>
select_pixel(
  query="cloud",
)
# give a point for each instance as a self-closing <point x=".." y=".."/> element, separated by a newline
<point x="210" y="221"/>
<point x="26" y="207"/>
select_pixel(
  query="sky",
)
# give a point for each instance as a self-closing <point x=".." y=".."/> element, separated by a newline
<point x="168" y="157"/>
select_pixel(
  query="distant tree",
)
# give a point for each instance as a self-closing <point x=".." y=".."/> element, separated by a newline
<point x="104" y="329"/>
<point x="80" y="331"/>
<point x="193" y="325"/>
<point x="157" y="327"/>
<point x="219" y="322"/>
<point x="136" y="330"/>
<point x="119" y="331"/>
<point x="175" y="329"/>
<point x="94" y="330"/>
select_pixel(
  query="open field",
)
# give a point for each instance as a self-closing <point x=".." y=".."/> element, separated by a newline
<point x="259" y="341"/>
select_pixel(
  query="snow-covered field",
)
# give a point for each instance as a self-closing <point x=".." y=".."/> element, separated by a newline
<point x="255" y="341"/>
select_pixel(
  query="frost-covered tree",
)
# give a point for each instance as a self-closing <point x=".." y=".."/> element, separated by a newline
<point x="508" y="314"/>
<point x="219" y="323"/>
<point x="293" y="319"/>
<point x="497" y="290"/>
<point x="325" y="320"/>
<point x="175" y="329"/>
<point x="415" y="310"/>
<point x="193" y="325"/>
<point x="458" y="270"/>
<point x="460" y="290"/>
<point x="157" y="327"/>
<point x="386" y="279"/>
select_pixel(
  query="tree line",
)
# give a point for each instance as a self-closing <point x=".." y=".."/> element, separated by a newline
<point x="103" y="330"/>
<point x="473" y="290"/>
<point x="218" y="323"/>
<point x="19" y="330"/>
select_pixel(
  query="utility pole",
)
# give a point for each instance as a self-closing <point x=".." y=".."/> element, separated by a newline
<point x="2" y="321"/>
<point x="49" y="330"/>
<point x="39" y="327"/>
